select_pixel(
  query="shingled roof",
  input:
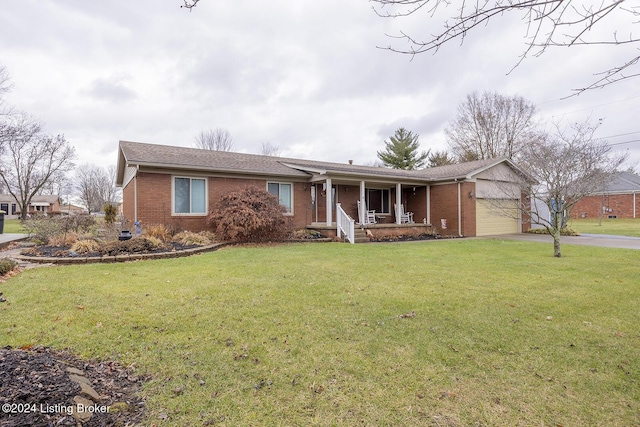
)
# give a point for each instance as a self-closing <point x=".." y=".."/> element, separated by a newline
<point x="165" y="156"/>
<point x="623" y="182"/>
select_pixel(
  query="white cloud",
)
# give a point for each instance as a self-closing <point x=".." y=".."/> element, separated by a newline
<point x="306" y="75"/>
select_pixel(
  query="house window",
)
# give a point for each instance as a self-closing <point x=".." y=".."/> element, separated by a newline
<point x="189" y="196"/>
<point x="378" y="200"/>
<point x="13" y="209"/>
<point x="4" y="207"/>
<point x="284" y="193"/>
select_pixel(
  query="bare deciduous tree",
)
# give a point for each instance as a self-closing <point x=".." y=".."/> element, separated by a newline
<point x="190" y="4"/>
<point x="268" y="149"/>
<point x="547" y="23"/>
<point x="30" y="159"/>
<point x="95" y="186"/>
<point x="214" y="139"/>
<point x="490" y="125"/>
<point x="5" y="86"/>
<point x="565" y="165"/>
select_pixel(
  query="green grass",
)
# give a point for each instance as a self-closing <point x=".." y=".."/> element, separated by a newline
<point x="310" y="334"/>
<point x="13" y="226"/>
<point x="620" y="226"/>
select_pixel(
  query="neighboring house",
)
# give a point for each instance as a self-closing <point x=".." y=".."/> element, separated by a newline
<point x="69" y="209"/>
<point x="619" y="198"/>
<point x="39" y="204"/>
<point x="178" y="186"/>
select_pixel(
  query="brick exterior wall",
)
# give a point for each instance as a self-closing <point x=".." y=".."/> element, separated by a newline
<point x="620" y="205"/>
<point x="154" y="200"/>
<point x="416" y="202"/>
<point x="525" y="204"/>
<point x="444" y="206"/>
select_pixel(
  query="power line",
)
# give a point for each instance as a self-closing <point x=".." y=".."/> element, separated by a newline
<point x="621" y="134"/>
<point x="625" y="142"/>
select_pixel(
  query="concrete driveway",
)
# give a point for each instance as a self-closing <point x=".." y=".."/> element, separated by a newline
<point x="602" y="240"/>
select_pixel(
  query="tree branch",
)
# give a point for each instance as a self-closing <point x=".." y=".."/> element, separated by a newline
<point x="549" y="23"/>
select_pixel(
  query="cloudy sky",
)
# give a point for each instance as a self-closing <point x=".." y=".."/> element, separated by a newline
<point x="307" y="76"/>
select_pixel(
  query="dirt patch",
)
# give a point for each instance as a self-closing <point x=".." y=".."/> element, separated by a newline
<point x="44" y="387"/>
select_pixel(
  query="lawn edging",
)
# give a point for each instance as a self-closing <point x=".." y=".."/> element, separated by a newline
<point x="118" y="258"/>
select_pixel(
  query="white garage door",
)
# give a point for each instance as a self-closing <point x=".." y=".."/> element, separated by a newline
<point x="496" y="217"/>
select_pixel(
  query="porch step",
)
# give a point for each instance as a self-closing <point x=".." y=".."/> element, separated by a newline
<point x="360" y="236"/>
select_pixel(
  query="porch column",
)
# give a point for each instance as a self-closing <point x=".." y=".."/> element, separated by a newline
<point x="363" y="206"/>
<point x="329" y="196"/>
<point x="398" y="201"/>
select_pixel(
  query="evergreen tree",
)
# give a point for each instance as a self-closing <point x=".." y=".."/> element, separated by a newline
<point x="401" y="151"/>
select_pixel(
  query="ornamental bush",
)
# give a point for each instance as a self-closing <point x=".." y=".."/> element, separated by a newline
<point x="6" y="265"/>
<point x="250" y="215"/>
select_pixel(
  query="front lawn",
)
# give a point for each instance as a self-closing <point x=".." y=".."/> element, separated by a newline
<point x="618" y="226"/>
<point x="13" y="226"/>
<point x="441" y="333"/>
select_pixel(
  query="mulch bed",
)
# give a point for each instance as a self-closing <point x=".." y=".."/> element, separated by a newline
<point x="36" y="389"/>
<point x="406" y="238"/>
<point x="65" y="251"/>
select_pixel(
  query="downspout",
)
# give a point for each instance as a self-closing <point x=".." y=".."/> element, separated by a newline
<point x="459" y="210"/>
<point x="428" y="204"/>
<point x="634" y="205"/>
<point x="135" y="194"/>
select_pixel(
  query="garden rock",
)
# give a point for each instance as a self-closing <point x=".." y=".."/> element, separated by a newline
<point x="61" y="390"/>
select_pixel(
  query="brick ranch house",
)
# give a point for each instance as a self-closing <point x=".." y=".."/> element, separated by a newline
<point x="40" y="204"/>
<point x="177" y="186"/>
<point x="620" y="198"/>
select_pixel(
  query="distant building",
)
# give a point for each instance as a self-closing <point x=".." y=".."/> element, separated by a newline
<point x="39" y="204"/>
<point x="619" y="198"/>
<point x="69" y="209"/>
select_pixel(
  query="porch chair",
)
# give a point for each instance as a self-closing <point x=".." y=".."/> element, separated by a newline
<point x="405" y="217"/>
<point x="369" y="216"/>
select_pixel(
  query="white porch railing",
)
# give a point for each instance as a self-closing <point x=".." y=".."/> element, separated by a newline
<point x="345" y="224"/>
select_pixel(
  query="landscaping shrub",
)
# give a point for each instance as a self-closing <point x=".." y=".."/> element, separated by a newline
<point x="110" y="212"/>
<point x="6" y="265"/>
<point x="85" y="246"/>
<point x="140" y="244"/>
<point x="307" y="235"/>
<point x="250" y="215"/>
<point x="188" y="238"/>
<point x="566" y="231"/>
<point x="45" y="228"/>
<point x="64" y="239"/>
<point x="41" y="228"/>
<point x="77" y="223"/>
<point x="158" y="231"/>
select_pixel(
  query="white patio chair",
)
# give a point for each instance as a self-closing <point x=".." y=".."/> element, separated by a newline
<point x="405" y="217"/>
<point x="368" y="217"/>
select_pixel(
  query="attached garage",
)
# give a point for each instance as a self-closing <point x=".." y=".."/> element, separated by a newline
<point x="496" y="216"/>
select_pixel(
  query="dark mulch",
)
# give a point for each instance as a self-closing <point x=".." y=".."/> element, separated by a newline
<point x="35" y="389"/>
<point x="65" y="251"/>
<point x="407" y="238"/>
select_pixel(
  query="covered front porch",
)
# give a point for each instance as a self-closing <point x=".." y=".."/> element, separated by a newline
<point x="377" y="231"/>
<point x="370" y="203"/>
<point x="370" y="208"/>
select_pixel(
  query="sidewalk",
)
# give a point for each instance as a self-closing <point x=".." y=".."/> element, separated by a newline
<point x="5" y="239"/>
